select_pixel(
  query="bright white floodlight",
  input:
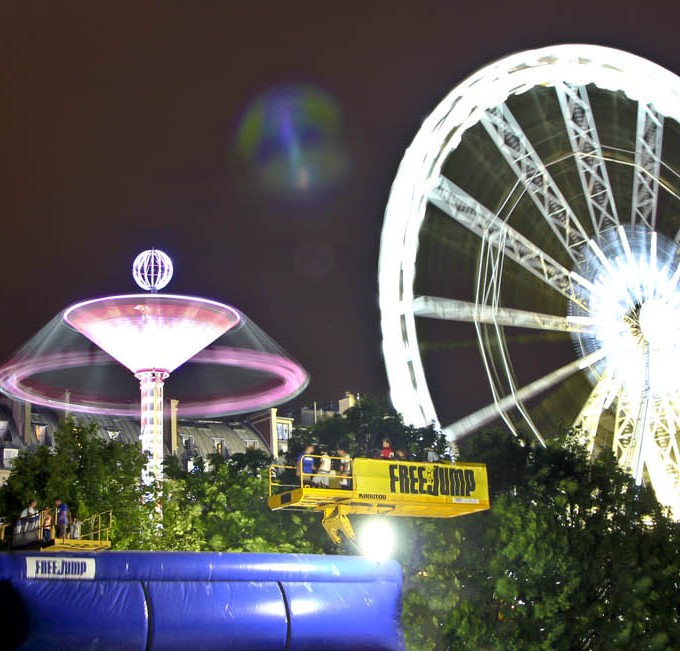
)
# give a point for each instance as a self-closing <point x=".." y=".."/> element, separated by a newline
<point x="376" y="539"/>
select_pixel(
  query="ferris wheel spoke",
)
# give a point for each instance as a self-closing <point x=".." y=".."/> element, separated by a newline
<point x="474" y="216"/>
<point x="491" y="412"/>
<point x="520" y="155"/>
<point x="648" y="143"/>
<point x="589" y="417"/>
<point x="585" y="143"/>
<point x="450" y="309"/>
<point x="623" y="444"/>
<point x="662" y="457"/>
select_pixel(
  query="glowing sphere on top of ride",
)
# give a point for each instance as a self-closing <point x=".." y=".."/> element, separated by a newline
<point x="152" y="270"/>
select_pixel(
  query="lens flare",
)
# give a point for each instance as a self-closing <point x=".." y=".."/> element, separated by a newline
<point x="292" y="143"/>
<point x="631" y="298"/>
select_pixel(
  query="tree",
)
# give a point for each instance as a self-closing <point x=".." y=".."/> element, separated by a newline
<point x="219" y="506"/>
<point x="362" y="427"/>
<point x="90" y="474"/>
<point x="572" y="555"/>
<point x="222" y="506"/>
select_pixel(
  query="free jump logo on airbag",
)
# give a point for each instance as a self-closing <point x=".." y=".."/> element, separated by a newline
<point x="40" y="567"/>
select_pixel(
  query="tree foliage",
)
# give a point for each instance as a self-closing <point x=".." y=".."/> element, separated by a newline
<point x="222" y="506"/>
<point x="219" y="506"/>
<point x="572" y="555"/>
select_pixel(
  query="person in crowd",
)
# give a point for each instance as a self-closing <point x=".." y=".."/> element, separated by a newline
<point x="387" y="452"/>
<point x="324" y="470"/>
<point x="345" y="468"/>
<point x="75" y="529"/>
<point x="47" y="525"/>
<point x="304" y="466"/>
<point x="401" y="455"/>
<point x="430" y="455"/>
<point x="30" y="509"/>
<point x="63" y="517"/>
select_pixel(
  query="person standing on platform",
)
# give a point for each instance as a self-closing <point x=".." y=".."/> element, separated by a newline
<point x="30" y="509"/>
<point x="430" y="455"/>
<point x="63" y="517"/>
<point x="345" y="468"/>
<point x="47" y="525"/>
<point x="387" y="452"/>
<point x="324" y="470"/>
<point x="75" y="529"/>
<point x="304" y="468"/>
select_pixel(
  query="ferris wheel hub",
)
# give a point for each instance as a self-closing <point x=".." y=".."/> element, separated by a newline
<point x="659" y="324"/>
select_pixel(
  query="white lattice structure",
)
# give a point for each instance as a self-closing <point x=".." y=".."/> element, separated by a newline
<point x="580" y="146"/>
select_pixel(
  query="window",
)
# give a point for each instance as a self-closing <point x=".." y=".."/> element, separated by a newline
<point x="219" y="446"/>
<point x="282" y="431"/>
<point x="250" y="443"/>
<point x="8" y="456"/>
<point x="40" y="431"/>
<point x="187" y="441"/>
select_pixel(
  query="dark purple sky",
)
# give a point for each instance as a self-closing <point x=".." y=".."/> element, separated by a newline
<point x="118" y="132"/>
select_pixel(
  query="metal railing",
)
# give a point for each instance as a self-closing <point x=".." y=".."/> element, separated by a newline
<point x="285" y="478"/>
<point x="40" y="529"/>
<point x="28" y="531"/>
<point x="96" y="527"/>
<point x="4" y="527"/>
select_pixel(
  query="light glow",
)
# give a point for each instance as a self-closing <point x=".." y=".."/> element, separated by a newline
<point x="151" y="424"/>
<point x="152" y="270"/>
<point x="283" y="380"/>
<point x="635" y="311"/>
<point x="376" y="539"/>
<point x="659" y="324"/>
<point x="151" y="335"/>
<point x="151" y="331"/>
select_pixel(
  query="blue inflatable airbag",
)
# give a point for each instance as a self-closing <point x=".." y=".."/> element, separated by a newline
<point x="149" y="601"/>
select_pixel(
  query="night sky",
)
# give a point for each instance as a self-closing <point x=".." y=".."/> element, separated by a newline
<point x="119" y="127"/>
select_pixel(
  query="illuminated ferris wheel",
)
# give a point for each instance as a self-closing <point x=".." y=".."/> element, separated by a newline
<point x="537" y="215"/>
